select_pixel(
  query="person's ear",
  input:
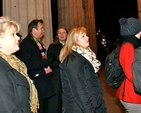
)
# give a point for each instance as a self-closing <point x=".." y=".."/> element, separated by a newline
<point x="34" y="29"/>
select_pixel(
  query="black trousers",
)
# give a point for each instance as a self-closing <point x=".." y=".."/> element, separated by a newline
<point x="43" y="105"/>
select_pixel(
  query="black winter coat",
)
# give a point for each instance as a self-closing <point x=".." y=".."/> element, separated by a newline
<point x="14" y="90"/>
<point x="81" y="87"/>
<point x="53" y="55"/>
<point x="31" y="56"/>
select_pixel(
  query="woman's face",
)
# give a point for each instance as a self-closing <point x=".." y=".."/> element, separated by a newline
<point x="9" y="42"/>
<point x="83" y="40"/>
<point x="62" y="34"/>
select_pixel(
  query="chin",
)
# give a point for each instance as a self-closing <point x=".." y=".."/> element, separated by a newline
<point x="17" y="49"/>
<point x="86" y="47"/>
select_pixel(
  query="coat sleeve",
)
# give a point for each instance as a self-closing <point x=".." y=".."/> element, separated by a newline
<point x="126" y="59"/>
<point x="76" y="77"/>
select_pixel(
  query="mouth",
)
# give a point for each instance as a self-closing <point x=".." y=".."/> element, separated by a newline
<point x="18" y="43"/>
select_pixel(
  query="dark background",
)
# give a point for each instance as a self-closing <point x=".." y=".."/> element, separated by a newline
<point x="54" y="16"/>
<point x="108" y="12"/>
<point x="1" y="8"/>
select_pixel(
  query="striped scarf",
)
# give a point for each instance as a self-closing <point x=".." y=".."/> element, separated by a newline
<point x="43" y="53"/>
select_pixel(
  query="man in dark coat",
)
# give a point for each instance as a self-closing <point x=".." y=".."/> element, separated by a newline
<point x="33" y="54"/>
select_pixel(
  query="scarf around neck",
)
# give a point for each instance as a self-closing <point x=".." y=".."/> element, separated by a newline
<point x="89" y="55"/>
<point x="21" y="68"/>
<point x="132" y="39"/>
<point x="43" y="53"/>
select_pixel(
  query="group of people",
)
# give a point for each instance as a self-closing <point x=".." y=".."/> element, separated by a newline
<point x="59" y="79"/>
<point x="43" y="65"/>
<point x="62" y="78"/>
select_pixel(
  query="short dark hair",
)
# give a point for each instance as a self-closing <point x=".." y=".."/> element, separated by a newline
<point x="34" y="24"/>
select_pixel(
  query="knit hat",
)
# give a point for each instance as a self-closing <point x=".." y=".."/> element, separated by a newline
<point x="129" y="26"/>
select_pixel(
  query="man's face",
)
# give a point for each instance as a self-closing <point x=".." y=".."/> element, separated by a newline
<point x="39" y="32"/>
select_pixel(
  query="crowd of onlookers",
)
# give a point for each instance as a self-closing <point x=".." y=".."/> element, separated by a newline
<point x="63" y="77"/>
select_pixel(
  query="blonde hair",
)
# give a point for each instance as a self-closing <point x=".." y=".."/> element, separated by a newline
<point x="72" y="40"/>
<point x="6" y="24"/>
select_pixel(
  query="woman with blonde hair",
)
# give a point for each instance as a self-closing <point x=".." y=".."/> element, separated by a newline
<point x="17" y="92"/>
<point x="81" y="87"/>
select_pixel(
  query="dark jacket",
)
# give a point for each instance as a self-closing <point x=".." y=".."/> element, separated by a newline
<point x="14" y="90"/>
<point x="81" y="87"/>
<point x="53" y="55"/>
<point x="31" y="56"/>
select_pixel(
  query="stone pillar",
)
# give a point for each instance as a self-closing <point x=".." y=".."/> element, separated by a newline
<point x="24" y="11"/>
<point x="70" y="13"/>
<point x="139" y="9"/>
<point x="75" y="13"/>
<point x="90" y="23"/>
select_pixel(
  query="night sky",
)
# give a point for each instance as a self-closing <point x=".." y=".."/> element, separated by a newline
<point x="108" y="12"/>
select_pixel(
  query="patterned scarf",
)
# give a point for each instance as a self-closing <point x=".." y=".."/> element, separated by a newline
<point x="89" y="55"/>
<point x="43" y="53"/>
<point x="21" y="68"/>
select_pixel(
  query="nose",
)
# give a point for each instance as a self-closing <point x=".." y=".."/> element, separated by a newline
<point x="61" y="34"/>
<point x="18" y="37"/>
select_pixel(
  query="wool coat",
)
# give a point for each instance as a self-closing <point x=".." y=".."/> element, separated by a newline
<point x="14" y="90"/>
<point x="31" y="56"/>
<point x="81" y="87"/>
